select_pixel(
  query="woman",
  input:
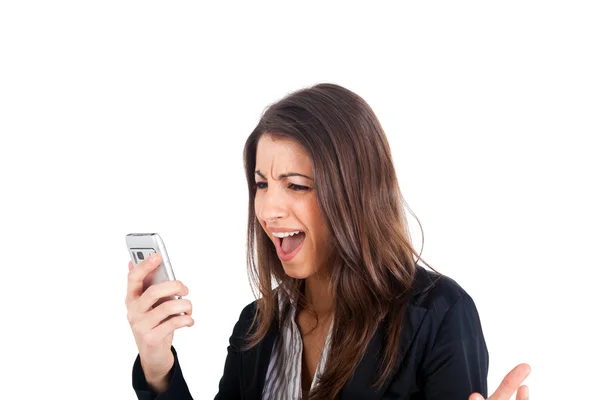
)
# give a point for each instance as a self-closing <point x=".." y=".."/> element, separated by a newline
<point x="353" y="314"/>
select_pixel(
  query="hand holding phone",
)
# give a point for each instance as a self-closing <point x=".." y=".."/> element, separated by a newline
<point x="155" y="308"/>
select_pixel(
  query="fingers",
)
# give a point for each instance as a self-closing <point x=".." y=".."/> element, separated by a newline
<point x="160" y="313"/>
<point x="155" y="337"/>
<point x="523" y="393"/>
<point x="159" y="333"/>
<point x="158" y="291"/>
<point x="135" y="278"/>
<point x="511" y="382"/>
<point x="476" y="396"/>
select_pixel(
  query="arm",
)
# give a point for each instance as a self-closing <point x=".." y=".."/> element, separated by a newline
<point x="177" y="388"/>
<point x="229" y="385"/>
<point x="457" y="364"/>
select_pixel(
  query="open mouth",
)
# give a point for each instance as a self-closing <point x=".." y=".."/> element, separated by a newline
<point x="290" y="243"/>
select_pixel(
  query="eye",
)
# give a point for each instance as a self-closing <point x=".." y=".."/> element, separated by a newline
<point x="294" y="187"/>
<point x="297" y="187"/>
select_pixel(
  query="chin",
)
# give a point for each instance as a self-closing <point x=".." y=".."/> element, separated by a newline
<point x="297" y="272"/>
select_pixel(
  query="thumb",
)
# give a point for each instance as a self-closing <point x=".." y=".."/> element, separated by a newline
<point x="476" y="396"/>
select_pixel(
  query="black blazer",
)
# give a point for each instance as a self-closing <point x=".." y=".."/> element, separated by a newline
<point x="443" y="353"/>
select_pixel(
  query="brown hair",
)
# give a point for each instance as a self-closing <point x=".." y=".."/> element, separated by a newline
<point x="371" y="265"/>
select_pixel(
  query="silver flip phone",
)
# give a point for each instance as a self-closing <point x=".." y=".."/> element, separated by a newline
<point x="143" y="245"/>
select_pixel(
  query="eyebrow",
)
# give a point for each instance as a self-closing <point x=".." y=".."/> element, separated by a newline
<point x="257" y="172"/>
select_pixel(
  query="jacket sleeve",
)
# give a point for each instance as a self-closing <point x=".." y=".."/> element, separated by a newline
<point x="457" y="364"/>
<point x="177" y="388"/>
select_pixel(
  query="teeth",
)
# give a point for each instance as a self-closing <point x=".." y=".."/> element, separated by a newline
<point x="285" y="234"/>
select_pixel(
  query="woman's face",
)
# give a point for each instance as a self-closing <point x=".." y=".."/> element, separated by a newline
<point x="286" y="201"/>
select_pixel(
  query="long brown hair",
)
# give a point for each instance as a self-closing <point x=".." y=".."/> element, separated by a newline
<point x="371" y="265"/>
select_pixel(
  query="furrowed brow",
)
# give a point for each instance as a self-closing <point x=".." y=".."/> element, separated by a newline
<point x="257" y="172"/>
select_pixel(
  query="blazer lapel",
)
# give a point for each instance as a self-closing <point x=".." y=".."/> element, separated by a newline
<point x="366" y="373"/>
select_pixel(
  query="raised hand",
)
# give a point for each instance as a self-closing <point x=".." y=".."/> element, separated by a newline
<point x="152" y="332"/>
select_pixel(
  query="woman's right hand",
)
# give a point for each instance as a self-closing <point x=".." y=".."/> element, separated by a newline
<point x="153" y="338"/>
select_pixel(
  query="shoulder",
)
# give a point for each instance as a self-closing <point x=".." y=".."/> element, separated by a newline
<point x="249" y="310"/>
<point x="431" y="287"/>
<point x="442" y="339"/>
<point x="247" y="325"/>
<point x="437" y="294"/>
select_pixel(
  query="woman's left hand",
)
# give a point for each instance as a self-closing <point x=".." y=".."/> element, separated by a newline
<point x="511" y="383"/>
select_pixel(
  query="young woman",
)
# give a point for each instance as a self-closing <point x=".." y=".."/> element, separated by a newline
<point x="352" y="315"/>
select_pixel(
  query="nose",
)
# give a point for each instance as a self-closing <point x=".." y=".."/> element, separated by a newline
<point x="272" y="206"/>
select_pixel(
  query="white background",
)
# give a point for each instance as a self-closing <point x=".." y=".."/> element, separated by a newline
<point x="119" y="117"/>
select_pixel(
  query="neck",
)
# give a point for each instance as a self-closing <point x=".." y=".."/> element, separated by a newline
<point x="318" y="295"/>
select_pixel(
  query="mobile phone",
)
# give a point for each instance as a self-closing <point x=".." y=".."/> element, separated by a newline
<point x="141" y="246"/>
